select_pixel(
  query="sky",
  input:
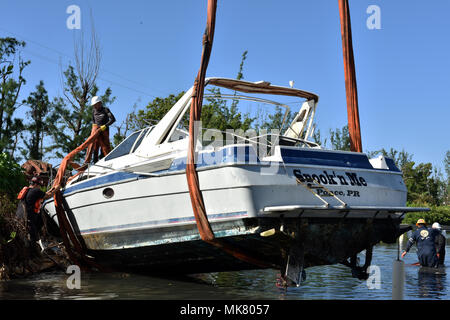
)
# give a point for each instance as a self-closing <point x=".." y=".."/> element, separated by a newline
<point x="153" y="48"/>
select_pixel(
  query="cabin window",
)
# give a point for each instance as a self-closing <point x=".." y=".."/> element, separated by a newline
<point x="141" y="137"/>
<point x="179" y="134"/>
<point x="124" y="147"/>
<point x="83" y="177"/>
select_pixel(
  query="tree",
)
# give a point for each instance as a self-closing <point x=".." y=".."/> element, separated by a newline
<point x="10" y="84"/>
<point x="217" y="113"/>
<point x="124" y="127"/>
<point x="12" y="178"/>
<point x="317" y="138"/>
<point x="275" y="120"/>
<point x="446" y="200"/>
<point x="424" y="183"/>
<point x="70" y="125"/>
<point x="423" y="187"/>
<point x="401" y="158"/>
<point x="40" y="106"/>
<point x="154" y="112"/>
<point x="71" y="122"/>
<point x="447" y="164"/>
<point x="340" y="139"/>
<point x="240" y="75"/>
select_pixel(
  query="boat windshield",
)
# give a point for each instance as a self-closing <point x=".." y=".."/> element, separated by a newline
<point x="129" y="145"/>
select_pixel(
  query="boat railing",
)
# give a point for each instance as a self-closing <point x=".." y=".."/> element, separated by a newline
<point x="265" y="141"/>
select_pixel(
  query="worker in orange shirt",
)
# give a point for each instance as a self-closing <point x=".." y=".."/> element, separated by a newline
<point x="29" y="208"/>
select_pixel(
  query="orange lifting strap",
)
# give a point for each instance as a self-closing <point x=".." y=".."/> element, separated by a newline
<point x="198" y="205"/>
<point x="73" y="245"/>
<point x="350" y="78"/>
<point x="57" y="183"/>
<point x="195" y="113"/>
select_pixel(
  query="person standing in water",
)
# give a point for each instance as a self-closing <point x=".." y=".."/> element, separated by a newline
<point x="440" y="242"/>
<point x="424" y="238"/>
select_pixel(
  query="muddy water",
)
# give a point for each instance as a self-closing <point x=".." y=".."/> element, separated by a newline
<point x="324" y="282"/>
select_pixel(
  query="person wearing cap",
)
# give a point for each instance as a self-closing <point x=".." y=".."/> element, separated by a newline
<point x="424" y="238"/>
<point x="440" y="243"/>
<point x="102" y="118"/>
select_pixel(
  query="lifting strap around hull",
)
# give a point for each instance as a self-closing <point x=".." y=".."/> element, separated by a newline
<point x="198" y="205"/>
<point x="350" y="78"/>
<point x="73" y="245"/>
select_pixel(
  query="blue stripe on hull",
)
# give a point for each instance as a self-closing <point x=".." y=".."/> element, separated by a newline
<point x="105" y="179"/>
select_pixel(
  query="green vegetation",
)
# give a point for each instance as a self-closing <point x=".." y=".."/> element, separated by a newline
<point x="12" y="178"/>
<point x="439" y="214"/>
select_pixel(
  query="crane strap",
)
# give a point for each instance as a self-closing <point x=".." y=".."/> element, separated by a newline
<point x="74" y="246"/>
<point x="350" y="78"/>
<point x="198" y="205"/>
<point x="68" y="160"/>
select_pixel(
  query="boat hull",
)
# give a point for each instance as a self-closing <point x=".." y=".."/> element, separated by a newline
<point x="324" y="241"/>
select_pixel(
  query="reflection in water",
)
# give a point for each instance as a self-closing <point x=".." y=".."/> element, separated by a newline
<point x="323" y="282"/>
<point x="424" y="283"/>
<point x="432" y="285"/>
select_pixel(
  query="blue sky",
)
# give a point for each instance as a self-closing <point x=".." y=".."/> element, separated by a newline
<point x="152" y="49"/>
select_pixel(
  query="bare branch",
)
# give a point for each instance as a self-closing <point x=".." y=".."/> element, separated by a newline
<point x="87" y="61"/>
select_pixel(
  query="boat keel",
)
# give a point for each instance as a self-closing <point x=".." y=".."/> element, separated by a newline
<point x="294" y="273"/>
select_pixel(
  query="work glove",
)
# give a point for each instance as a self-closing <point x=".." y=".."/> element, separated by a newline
<point x="103" y="127"/>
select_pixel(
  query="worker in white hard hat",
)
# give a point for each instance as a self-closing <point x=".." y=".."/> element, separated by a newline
<point x="440" y="243"/>
<point x="101" y="117"/>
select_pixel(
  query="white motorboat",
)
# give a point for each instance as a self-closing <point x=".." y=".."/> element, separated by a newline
<point x="278" y="197"/>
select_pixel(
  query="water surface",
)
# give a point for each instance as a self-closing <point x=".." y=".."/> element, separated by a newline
<point x="324" y="282"/>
